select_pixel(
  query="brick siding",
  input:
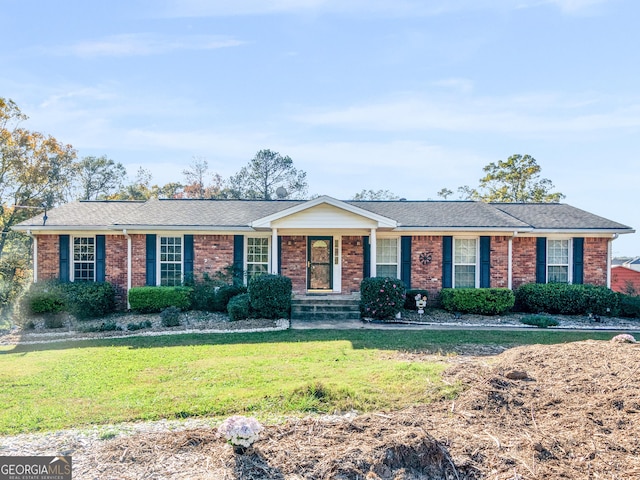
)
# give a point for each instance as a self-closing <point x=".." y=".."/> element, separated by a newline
<point x="352" y="263"/>
<point x="429" y="276"/>
<point x="116" y="266"/>
<point x="596" y="251"/>
<point x="524" y="261"/>
<point x="48" y="257"/>
<point x="294" y="261"/>
<point x="499" y="262"/>
<point x="212" y="254"/>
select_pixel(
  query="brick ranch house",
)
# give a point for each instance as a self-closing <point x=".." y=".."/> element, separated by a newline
<point x="324" y="245"/>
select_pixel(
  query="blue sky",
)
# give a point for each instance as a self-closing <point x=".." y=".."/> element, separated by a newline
<point x="409" y="96"/>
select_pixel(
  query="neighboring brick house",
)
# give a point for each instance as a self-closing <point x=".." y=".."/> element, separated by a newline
<point x="324" y="245"/>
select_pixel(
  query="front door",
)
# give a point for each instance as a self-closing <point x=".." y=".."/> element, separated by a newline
<point x="319" y="264"/>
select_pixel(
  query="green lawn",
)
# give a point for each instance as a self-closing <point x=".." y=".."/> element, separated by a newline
<point x="61" y="385"/>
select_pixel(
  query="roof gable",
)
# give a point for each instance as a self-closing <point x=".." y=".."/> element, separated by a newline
<point x="325" y="212"/>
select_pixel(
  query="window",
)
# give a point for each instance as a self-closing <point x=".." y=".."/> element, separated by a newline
<point x="387" y="257"/>
<point x="257" y="257"/>
<point x="465" y="257"/>
<point x="170" y="261"/>
<point x="84" y="259"/>
<point x="558" y="261"/>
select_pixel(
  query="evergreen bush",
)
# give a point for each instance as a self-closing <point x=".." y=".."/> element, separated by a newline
<point x="44" y="297"/>
<point x="381" y="297"/>
<point x="565" y="299"/>
<point x="226" y="293"/>
<point x="170" y="317"/>
<point x="480" y="301"/>
<point x="89" y="299"/>
<point x="239" y="307"/>
<point x="540" y="321"/>
<point x="156" y="299"/>
<point x="629" y="306"/>
<point x="270" y="296"/>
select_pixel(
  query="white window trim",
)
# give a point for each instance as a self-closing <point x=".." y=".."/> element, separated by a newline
<point x="569" y="260"/>
<point x="245" y="266"/>
<point x="159" y="262"/>
<point x="72" y="268"/>
<point x="453" y="261"/>
<point x="398" y="253"/>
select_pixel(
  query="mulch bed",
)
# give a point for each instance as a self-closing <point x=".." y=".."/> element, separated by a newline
<point x="534" y="412"/>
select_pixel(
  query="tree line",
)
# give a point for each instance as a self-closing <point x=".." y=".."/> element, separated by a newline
<point x="38" y="172"/>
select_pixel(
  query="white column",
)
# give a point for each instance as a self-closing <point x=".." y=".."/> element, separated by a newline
<point x="274" y="251"/>
<point x="609" y="249"/>
<point x="372" y="252"/>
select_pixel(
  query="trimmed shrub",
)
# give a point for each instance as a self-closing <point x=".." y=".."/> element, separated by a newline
<point x="89" y="299"/>
<point x="43" y="297"/>
<point x="239" y="307"/>
<point x="226" y="293"/>
<point x="53" y="321"/>
<point x="138" y="326"/>
<point x="540" y="321"/>
<point x="156" y="299"/>
<point x="170" y="317"/>
<point x="410" y="298"/>
<point x="480" y="301"/>
<point x="565" y="299"/>
<point x="629" y="306"/>
<point x="381" y="297"/>
<point x="270" y="296"/>
<point x="203" y="296"/>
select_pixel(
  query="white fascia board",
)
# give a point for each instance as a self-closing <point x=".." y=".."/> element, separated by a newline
<point x="54" y="230"/>
<point x="595" y="232"/>
<point x="383" y="222"/>
<point x="449" y="230"/>
<point x="187" y="229"/>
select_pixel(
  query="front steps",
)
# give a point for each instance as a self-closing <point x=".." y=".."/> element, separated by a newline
<point x="325" y="307"/>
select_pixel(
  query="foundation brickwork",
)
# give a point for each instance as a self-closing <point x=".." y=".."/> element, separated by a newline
<point x="293" y="262"/>
<point x="352" y="263"/>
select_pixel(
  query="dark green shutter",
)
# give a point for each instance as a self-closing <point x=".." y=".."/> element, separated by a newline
<point x="405" y="260"/>
<point x="578" y="260"/>
<point x="188" y="259"/>
<point x="447" y="261"/>
<point x="485" y="262"/>
<point x="101" y="253"/>
<point x="63" y="263"/>
<point x="541" y="260"/>
<point x="238" y="259"/>
<point x="366" y="254"/>
<point x="151" y="260"/>
<point x="279" y="255"/>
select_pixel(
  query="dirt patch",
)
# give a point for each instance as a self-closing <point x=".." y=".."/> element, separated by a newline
<point x="534" y="412"/>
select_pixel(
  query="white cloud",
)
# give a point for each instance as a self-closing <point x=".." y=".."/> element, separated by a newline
<point x="139" y="44"/>
<point x="402" y="8"/>
<point x="537" y="115"/>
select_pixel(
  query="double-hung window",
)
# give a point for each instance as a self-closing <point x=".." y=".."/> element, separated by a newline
<point x="465" y="262"/>
<point x="387" y="257"/>
<point x="558" y="261"/>
<point x="257" y="256"/>
<point x="84" y="259"/>
<point x="171" y="261"/>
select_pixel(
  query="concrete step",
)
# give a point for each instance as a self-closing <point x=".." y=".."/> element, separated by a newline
<point x="325" y="307"/>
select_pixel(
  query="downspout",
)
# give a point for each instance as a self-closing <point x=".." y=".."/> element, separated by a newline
<point x="510" y="261"/>
<point x="609" y="253"/>
<point x="128" y="237"/>
<point x="35" y="255"/>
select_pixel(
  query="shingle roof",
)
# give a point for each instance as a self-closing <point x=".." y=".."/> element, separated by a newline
<point x="84" y="214"/>
<point x="230" y="214"/>
<point x="557" y="216"/>
<point x="442" y="214"/>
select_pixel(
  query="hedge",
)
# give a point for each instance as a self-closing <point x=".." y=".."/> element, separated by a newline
<point x="226" y="293"/>
<point x="381" y="297"/>
<point x="156" y="299"/>
<point x="81" y="299"/>
<point x="566" y="299"/>
<point x="480" y="301"/>
<point x="270" y="296"/>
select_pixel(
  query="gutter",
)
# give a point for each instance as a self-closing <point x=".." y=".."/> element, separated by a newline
<point x="128" y="237"/>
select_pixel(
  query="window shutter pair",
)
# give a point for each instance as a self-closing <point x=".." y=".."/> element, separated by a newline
<point x="152" y="256"/>
<point x="447" y="261"/>
<point x="578" y="260"/>
<point x="65" y="264"/>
